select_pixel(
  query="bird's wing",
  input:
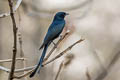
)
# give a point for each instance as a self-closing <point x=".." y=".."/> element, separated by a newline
<point x="54" y="31"/>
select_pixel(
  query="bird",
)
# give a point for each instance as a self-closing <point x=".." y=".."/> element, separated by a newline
<point x="53" y="32"/>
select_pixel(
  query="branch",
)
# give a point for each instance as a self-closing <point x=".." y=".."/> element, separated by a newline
<point x="25" y="69"/>
<point x="60" y="67"/>
<point x="64" y="64"/>
<point x="88" y="75"/>
<point x="15" y="40"/>
<point x="62" y="53"/>
<point x="32" y="67"/>
<point x="21" y="44"/>
<point x="4" y="69"/>
<point x="17" y="70"/>
<point x="67" y="62"/>
<point x="9" y="60"/>
<point x="23" y="75"/>
<point x="61" y="38"/>
<point x="14" y="9"/>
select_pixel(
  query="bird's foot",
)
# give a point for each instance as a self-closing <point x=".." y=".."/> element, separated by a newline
<point x="54" y="44"/>
<point x="61" y="36"/>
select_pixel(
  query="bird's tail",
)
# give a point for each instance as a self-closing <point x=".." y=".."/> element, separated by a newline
<point x="40" y="62"/>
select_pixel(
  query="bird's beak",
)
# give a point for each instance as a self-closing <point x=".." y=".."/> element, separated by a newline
<point x="67" y="13"/>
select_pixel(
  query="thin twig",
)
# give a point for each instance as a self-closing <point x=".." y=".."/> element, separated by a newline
<point x="4" y="69"/>
<point x="14" y="9"/>
<point x="88" y="75"/>
<point x="62" y="53"/>
<point x="15" y="40"/>
<point x="61" y="38"/>
<point x="21" y="43"/>
<point x="60" y="67"/>
<point x="25" y="69"/>
<point x="69" y="48"/>
<point x="9" y="60"/>
<point x="17" y="70"/>
<point x="23" y="75"/>
<point x="64" y="64"/>
<point x="32" y="67"/>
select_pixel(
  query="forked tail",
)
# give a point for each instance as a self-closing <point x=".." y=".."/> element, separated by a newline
<point x="40" y="62"/>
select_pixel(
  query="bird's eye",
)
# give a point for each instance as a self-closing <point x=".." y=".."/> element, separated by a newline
<point x="62" y="15"/>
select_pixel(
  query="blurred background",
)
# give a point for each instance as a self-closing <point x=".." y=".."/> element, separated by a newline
<point x="97" y="21"/>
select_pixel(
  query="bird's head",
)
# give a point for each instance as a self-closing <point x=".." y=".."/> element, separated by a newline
<point x="60" y="15"/>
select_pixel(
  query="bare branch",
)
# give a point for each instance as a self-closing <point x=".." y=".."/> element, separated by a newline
<point x="9" y="60"/>
<point x="61" y="38"/>
<point x="17" y="70"/>
<point x="24" y="75"/>
<point x="17" y="5"/>
<point x="64" y="64"/>
<point x="32" y="67"/>
<point x="25" y="69"/>
<point x="14" y="9"/>
<point x="60" y="67"/>
<point x="21" y="44"/>
<point x="88" y="75"/>
<point x="15" y="40"/>
<point x="4" y="69"/>
<point x="62" y="53"/>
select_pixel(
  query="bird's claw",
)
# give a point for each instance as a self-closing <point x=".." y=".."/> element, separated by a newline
<point x="54" y="44"/>
<point x="61" y="36"/>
